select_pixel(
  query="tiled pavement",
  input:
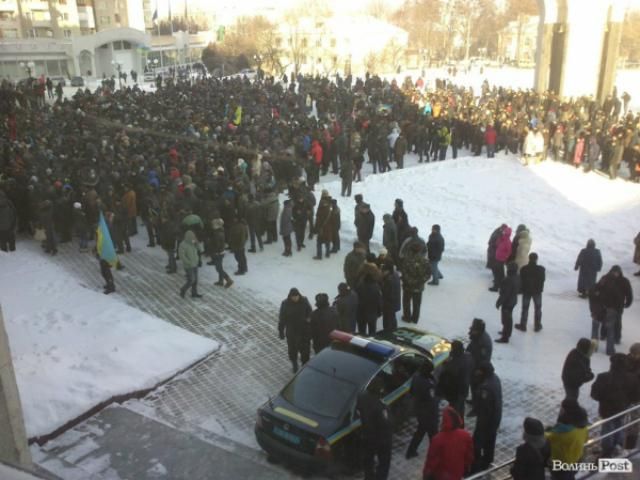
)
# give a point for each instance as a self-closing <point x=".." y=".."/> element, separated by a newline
<point x="221" y="395"/>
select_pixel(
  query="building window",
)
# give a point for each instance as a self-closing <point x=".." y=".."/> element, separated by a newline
<point x="318" y="43"/>
<point x="116" y="18"/>
<point x="105" y="20"/>
<point x="304" y="43"/>
<point x="319" y="60"/>
<point x="67" y="33"/>
<point x="126" y="45"/>
<point x="9" y="33"/>
<point x="62" y="2"/>
<point x="117" y="45"/>
<point x="41" y="16"/>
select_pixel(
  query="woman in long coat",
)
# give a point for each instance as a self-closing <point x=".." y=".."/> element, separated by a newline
<point x="589" y="263"/>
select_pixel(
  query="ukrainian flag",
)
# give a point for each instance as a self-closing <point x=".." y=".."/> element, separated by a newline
<point x="104" y="244"/>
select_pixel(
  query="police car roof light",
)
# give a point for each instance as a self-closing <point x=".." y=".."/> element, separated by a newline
<point x="373" y="347"/>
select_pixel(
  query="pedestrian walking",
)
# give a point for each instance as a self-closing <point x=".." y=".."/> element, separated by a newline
<point x="415" y="273"/>
<point x="435" y="248"/>
<point x="615" y="391"/>
<point x="576" y="370"/>
<point x="376" y="432"/>
<point x="588" y="264"/>
<point x="286" y="227"/>
<point x="425" y="406"/>
<point x="507" y="301"/>
<point x="488" y="408"/>
<point x="188" y="251"/>
<point x="324" y="319"/>
<point x="532" y="278"/>
<point x="216" y="249"/>
<point x="237" y="241"/>
<point x="451" y="452"/>
<point x="294" y="325"/>
<point x="614" y="292"/>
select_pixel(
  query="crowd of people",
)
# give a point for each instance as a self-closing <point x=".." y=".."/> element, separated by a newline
<point x="202" y="164"/>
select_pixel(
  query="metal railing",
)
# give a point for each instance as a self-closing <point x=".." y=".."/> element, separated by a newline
<point x="501" y="472"/>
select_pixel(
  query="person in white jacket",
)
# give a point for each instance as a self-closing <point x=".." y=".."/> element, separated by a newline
<point x="529" y="147"/>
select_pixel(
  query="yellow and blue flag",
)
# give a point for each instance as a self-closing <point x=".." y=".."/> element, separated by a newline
<point x="104" y="244"/>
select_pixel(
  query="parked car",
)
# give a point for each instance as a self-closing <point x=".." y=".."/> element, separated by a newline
<point x="310" y="424"/>
<point x="59" y="79"/>
<point x="77" y="82"/>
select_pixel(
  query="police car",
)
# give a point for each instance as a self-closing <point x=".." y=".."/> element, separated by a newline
<point x="312" y="423"/>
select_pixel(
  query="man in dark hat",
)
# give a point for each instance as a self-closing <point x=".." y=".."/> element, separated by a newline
<point x="453" y="383"/>
<point x="324" y="320"/>
<point x="488" y="407"/>
<point x="576" y="370"/>
<point x="376" y="431"/>
<point x="425" y="401"/>
<point x="294" y="325"/>
<point x="533" y="455"/>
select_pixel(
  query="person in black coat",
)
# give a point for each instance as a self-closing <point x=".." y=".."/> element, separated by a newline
<point x="480" y="348"/>
<point x="401" y="219"/>
<point x="324" y="320"/>
<point x="369" y="305"/>
<point x="453" y="383"/>
<point x="532" y="277"/>
<point x="294" y="325"/>
<point x="533" y="455"/>
<point x="425" y="403"/>
<point x="346" y="305"/>
<point x="577" y="369"/>
<point x="376" y="431"/>
<point x="391" y="289"/>
<point x="435" y="248"/>
<point x="589" y="263"/>
<point x="614" y="292"/>
<point x="507" y="300"/>
<point x="615" y="391"/>
<point x="365" y="221"/>
<point x="7" y="223"/>
<point x="488" y="407"/>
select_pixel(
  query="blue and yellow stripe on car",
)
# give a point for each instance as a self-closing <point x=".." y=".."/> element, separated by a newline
<point x="296" y="416"/>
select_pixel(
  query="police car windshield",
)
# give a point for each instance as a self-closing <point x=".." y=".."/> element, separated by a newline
<point x="319" y="393"/>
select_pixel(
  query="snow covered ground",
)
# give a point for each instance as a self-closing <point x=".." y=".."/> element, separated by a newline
<point x="469" y="197"/>
<point x="74" y="348"/>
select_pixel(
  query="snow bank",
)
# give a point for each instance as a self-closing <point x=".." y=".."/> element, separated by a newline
<point x="469" y="197"/>
<point x="74" y="348"/>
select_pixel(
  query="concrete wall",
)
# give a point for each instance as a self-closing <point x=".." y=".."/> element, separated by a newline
<point x="13" y="437"/>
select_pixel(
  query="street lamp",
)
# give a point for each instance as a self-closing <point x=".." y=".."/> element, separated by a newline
<point x="28" y="66"/>
<point x="118" y="67"/>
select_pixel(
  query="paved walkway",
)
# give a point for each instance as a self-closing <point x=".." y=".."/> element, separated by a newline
<point x="217" y="400"/>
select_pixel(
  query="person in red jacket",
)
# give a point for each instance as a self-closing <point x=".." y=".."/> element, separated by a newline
<point x="490" y="138"/>
<point x="450" y="452"/>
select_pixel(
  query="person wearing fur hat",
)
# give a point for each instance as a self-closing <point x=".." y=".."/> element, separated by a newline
<point x="294" y="325"/>
<point x="488" y="408"/>
<point x="324" y="319"/>
<point x="615" y="391"/>
<point x="216" y="249"/>
<point x="576" y="370"/>
<point x="533" y="455"/>
<point x="450" y="454"/>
